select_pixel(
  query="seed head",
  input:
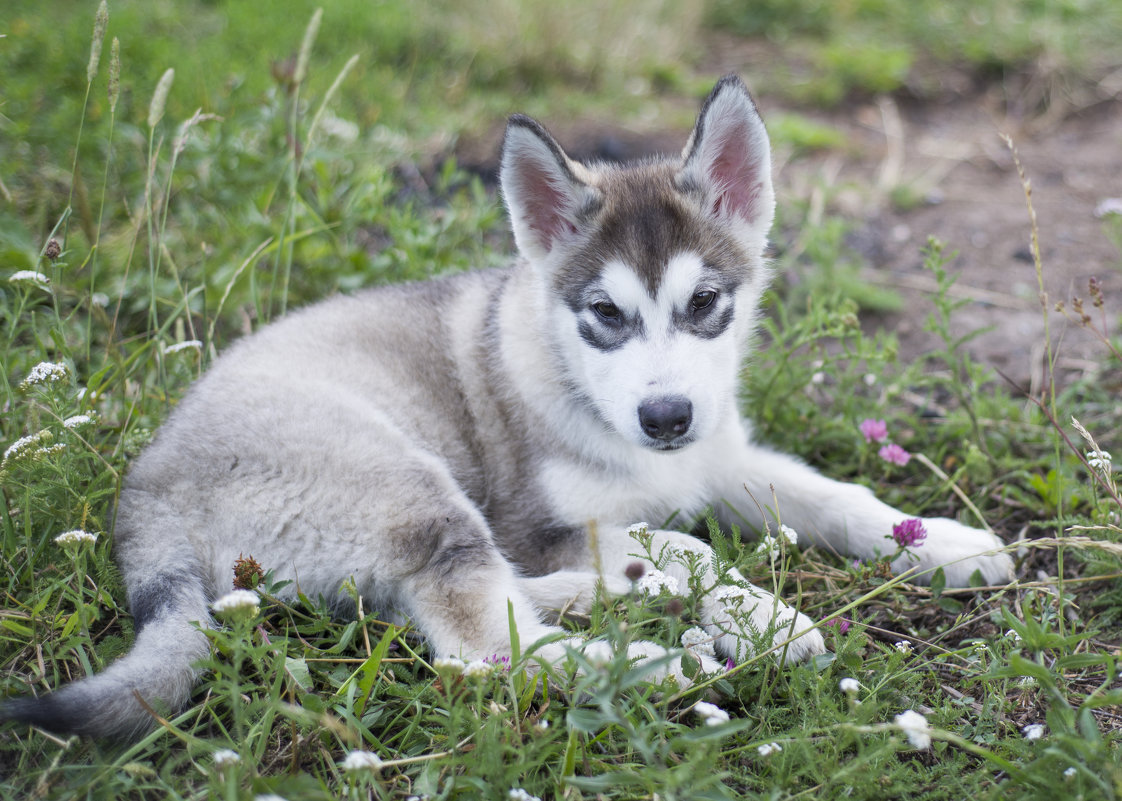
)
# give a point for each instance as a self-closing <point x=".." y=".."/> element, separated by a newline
<point x="635" y="571"/>
<point x="160" y="98"/>
<point x="101" y="20"/>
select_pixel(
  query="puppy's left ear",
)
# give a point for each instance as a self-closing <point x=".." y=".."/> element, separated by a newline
<point x="728" y="160"/>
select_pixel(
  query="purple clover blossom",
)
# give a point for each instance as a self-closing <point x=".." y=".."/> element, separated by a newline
<point x="873" y="430"/>
<point x="729" y="664"/>
<point x="894" y="454"/>
<point x="841" y="623"/>
<point x="910" y="533"/>
<point x="499" y="661"/>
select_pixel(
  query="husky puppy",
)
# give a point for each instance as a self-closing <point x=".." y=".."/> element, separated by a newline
<point x="459" y="444"/>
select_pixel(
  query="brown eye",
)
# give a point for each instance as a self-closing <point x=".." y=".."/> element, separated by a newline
<point x="702" y="299"/>
<point x="606" y="310"/>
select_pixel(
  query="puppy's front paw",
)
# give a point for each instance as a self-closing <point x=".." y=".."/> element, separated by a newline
<point x="805" y="646"/>
<point x="959" y="550"/>
<point x="750" y="620"/>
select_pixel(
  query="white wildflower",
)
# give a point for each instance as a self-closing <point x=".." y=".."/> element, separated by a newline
<point x="477" y="669"/>
<point x="541" y="725"/>
<point x="30" y="278"/>
<point x="712" y="714"/>
<point x="45" y="373"/>
<point x="870" y="379"/>
<point x="1013" y="635"/>
<point x="1033" y="731"/>
<point x="100" y="299"/>
<point x="638" y="529"/>
<point x="238" y="602"/>
<point x="915" y="726"/>
<point x="849" y="686"/>
<point x="77" y="421"/>
<point x="788" y="532"/>
<point x="26" y="445"/>
<point x="1099" y="460"/>
<point x="343" y="130"/>
<point x="359" y="761"/>
<point x="448" y="664"/>
<point x="75" y="537"/>
<point x="269" y="797"/>
<point x="903" y="646"/>
<point x="767" y="749"/>
<point x="1070" y="773"/>
<point x="656" y="581"/>
<point x="178" y="347"/>
<point x="699" y="642"/>
<point x="518" y="794"/>
<point x="224" y="757"/>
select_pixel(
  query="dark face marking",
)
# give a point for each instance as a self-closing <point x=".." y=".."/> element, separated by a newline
<point x="607" y="331"/>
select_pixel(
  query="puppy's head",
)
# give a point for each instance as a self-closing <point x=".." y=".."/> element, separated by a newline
<point x="650" y="273"/>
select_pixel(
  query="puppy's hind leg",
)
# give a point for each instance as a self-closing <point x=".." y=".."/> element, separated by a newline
<point x="465" y="598"/>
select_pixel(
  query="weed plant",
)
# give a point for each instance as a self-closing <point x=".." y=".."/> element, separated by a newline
<point x="198" y="229"/>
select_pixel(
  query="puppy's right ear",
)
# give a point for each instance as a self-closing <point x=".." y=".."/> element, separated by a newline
<point x="543" y="194"/>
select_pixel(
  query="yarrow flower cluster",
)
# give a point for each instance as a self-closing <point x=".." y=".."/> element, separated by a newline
<point x="30" y="278"/>
<point x="656" y="581"/>
<point x="699" y="642"/>
<point x="915" y="728"/>
<point x="771" y="544"/>
<point x="45" y="373"/>
<point x="477" y="669"/>
<point x="909" y="533"/>
<point x="849" y="686"/>
<point x="77" y="421"/>
<point x="767" y="749"/>
<point x="638" y="529"/>
<point x="361" y="762"/>
<point x="31" y="445"/>
<point x="712" y="714"/>
<point x="224" y="757"/>
<point x="237" y="604"/>
<point x="518" y="794"/>
<point x="1101" y="461"/>
<point x="449" y="663"/>
<point x="1033" y="731"/>
<point x="76" y="537"/>
<point x="903" y="646"/>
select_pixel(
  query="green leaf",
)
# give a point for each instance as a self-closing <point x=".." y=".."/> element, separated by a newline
<point x="298" y="670"/>
<point x="938" y="582"/>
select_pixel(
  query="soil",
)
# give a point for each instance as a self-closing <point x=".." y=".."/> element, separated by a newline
<point x="947" y="158"/>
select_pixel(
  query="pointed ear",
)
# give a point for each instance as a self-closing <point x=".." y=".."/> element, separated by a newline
<point x="728" y="157"/>
<point x="542" y="192"/>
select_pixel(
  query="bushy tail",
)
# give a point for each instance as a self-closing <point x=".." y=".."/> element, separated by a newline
<point x="159" y="669"/>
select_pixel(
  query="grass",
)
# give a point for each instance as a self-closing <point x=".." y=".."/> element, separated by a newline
<point x="176" y="237"/>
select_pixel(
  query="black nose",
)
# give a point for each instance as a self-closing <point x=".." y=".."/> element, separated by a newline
<point x="666" y="418"/>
